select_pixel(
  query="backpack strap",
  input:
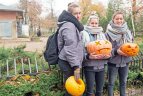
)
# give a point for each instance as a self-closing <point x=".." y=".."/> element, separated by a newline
<point x="57" y="32"/>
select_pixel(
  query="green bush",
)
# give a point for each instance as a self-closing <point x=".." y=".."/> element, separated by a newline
<point x="4" y="53"/>
<point x="45" y="85"/>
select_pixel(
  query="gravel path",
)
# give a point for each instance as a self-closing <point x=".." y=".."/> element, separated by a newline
<point x="30" y="45"/>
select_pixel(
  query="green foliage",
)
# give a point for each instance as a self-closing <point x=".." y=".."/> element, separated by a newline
<point x="17" y="52"/>
<point x="135" y="79"/>
<point x="140" y="77"/>
<point x="141" y="45"/>
<point x="104" y="22"/>
<point x="132" y="76"/>
<point x="110" y="11"/>
<point x="116" y="87"/>
<point x="46" y="85"/>
<point x="129" y="22"/>
<point x="84" y="20"/>
<point x="4" y="53"/>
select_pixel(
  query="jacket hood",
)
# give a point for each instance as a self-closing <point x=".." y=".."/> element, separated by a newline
<point x="68" y="17"/>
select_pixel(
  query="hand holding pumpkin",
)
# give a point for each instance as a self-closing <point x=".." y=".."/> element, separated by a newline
<point x="121" y="53"/>
<point x="98" y="56"/>
<point x="130" y="49"/>
<point x="107" y="56"/>
<point x="75" y="88"/>
<point x="77" y="74"/>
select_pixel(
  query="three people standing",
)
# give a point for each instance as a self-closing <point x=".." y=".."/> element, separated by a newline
<point x="72" y="54"/>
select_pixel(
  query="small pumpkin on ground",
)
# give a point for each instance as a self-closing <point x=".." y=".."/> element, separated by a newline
<point x="131" y="49"/>
<point x="75" y="88"/>
<point x="26" y="77"/>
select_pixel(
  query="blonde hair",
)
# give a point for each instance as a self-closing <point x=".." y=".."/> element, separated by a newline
<point x="71" y="6"/>
<point x="93" y="15"/>
<point x="116" y="13"/>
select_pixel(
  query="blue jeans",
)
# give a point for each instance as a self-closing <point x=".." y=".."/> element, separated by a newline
<point x="92" y="78"/>
<point x="112" y="73"/>
<point x="67" y="71"/>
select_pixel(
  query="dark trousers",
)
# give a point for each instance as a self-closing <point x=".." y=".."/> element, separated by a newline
<point x="112" y="73"/>
<point x="94" y="78"/>
<point x="67" y="71"/>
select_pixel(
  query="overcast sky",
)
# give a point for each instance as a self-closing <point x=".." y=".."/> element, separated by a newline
<point x="8" y="2"/>
<point x="58" y="5"/>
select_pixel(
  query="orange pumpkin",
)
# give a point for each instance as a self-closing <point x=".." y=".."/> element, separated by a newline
<point x="26" y="77"/>
<point x="74" y="88"/>
<point x="131" y="49"/>
<point x="99" y="47"/>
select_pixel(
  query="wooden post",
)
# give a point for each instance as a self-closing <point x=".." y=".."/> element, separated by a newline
<point x="0" y="71"/>
<point x="7" y="68"/>
<point x="22" y="66"/>
<point x="36" y="65"/>
<point x="29" y="65"/>
<point x="15" y="66"/>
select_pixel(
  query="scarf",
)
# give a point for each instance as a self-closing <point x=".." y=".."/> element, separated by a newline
<point x="95" y="33"/>
<point x="66" y="16"/>
<point x="120" y="34"/>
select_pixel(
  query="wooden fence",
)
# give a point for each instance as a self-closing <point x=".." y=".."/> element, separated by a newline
<point x="22" y="66"/>
<point x="137" y="62"/>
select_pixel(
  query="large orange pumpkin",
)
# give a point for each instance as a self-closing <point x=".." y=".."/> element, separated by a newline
<point x="131" y="49"/>
<point x="99" y="47"/>
<point x="74" y="88"/>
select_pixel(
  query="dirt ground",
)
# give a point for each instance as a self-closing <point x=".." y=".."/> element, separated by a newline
<point x="30" y="45"/>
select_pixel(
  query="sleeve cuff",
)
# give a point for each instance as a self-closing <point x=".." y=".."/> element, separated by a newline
<point x="87" y="56"/>
<point x="115" y="52"/>
<point x="75" y="67"/>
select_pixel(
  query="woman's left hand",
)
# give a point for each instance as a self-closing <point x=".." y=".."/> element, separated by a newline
<point x="121" y="53"/>
<point x="107" y="56"/>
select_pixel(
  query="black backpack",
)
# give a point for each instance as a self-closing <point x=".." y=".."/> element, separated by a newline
<point x="51" y="52"/>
